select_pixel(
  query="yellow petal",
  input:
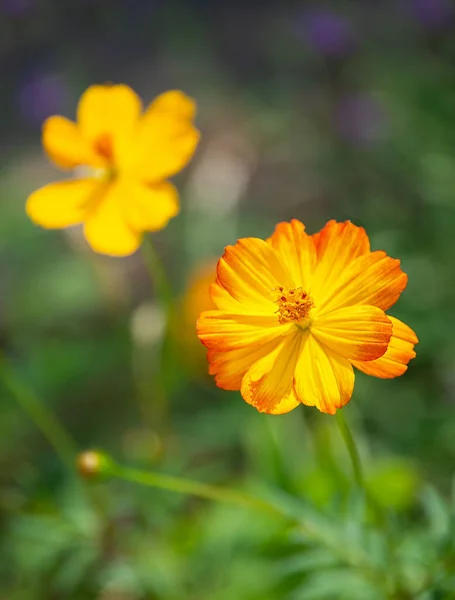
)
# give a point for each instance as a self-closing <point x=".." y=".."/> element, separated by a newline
<point x="285" y="405"/>
<point x="297" y="251"/>
<point x="374" y="279"/>
<point x="225" y="302"/>
<point x="149" y="207"/>
<point x="267" y="385"/>
<point x="338" y="245"/>
<point x="174" y="103"/>
<point x="355" y="332"/>
<point x="224" y="331"/>
<point x="107" y="116"/>
<point x="66" y="146"/>
<point x="165" y="139"/>
<point x="229" y="367"/>
<point x="399" y="352"/>
<point x="322" y="378"/>
<point x="62" y="204"/>
<point x="251" y="271"/>
<point x="106" y="228"/>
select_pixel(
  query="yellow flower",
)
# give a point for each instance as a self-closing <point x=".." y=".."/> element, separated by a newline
<point x="127" y="155"/>
<point x="296" y="312"/>
<point x="195" y="299"/>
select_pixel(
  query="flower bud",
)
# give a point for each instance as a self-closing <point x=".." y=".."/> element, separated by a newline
<point x="93" y="464"/>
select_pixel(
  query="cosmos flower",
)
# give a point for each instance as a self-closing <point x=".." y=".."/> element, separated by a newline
<point x="296" y="313"/>
<point x="126" y="155"/>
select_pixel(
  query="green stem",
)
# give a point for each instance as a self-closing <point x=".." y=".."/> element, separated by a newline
<point x="240" y="499"/>
<point x="38" y="412"/>
<point x="157" y="274"/>
<point x="351" y="447"/>
<point x="163" y="291"/>
<point x="190" y="487"/>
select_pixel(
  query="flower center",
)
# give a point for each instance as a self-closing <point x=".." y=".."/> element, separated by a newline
<point x="293" y="304"/>
<point x="103" y="146"/>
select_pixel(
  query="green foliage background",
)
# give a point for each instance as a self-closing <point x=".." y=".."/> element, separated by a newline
<point x="298" y="121"/>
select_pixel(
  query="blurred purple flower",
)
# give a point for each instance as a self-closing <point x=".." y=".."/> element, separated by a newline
<point x="41" y="95"/>
<point x="432" y="13"/>
<point x="360" y="119"/>
<point x="16" y="7"/>
<point x="326" y="32"/>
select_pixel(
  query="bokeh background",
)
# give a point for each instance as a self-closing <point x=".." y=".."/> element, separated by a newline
<point x="308" y="110"/>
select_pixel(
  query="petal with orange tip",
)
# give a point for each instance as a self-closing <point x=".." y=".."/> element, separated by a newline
<point x="267" y="384"/>
<point x="338" y="245"/>
<point x="149" y="207"/>
<point x="65" y="145"/>
<point x="107" y="116"/>
<point x="106" y="228"/>
<point x="322" y="378"/>
<point x="354" y="332"/>
<point x="222" y="331"/>
<point x="297" y="251"/>
<point x="374" y="279"/>
<point x="165" y="138"/>
<point x="399" y="352"/>
<point x="62" y="204"/>
<point x="251" y="271"/>
<point x="229" y="367"/>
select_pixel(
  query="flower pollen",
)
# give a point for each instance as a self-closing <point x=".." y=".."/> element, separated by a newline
<point x="293" y="304"/>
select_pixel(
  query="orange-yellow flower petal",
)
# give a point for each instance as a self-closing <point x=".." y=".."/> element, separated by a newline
<point x="149" y="207"/>
<point x="297" y="251"/>
<point x="223" y="300"/>
<point x="106" y="229"/>
<point x="66" y="146"/>
<point x="224" y="331"/>
<point x="63" y="203"/>
<point x="165" y="139"/>
<point x="373" y="278"/>
<point x="268" y="382"/>
<point x="399" y="352"/>
<point x="107" y="116"/>
<point x="285" y="405"/>
<point x="338" y="244"/>
<point x="250" y="271"/>
<point x="322" y="378"/>
<point x="229" y="367"/>
<point x="355" y="332"/>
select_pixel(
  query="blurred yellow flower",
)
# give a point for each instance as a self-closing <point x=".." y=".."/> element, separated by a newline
<point x="297" y="312"/>
<point x="195" y="299"/>
<point x="126" y="155"/>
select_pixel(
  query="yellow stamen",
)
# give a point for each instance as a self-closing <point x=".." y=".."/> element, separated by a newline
<point x="293" y="304"/>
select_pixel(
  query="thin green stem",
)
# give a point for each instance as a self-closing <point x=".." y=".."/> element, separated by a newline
<point x="157" y="274"/>
<point x="351" y="447"/>
<point x="190" y="487"/>
<point x="240" y="499"/>
<point x="39" y="413"/>
<point x="163" y="290"/>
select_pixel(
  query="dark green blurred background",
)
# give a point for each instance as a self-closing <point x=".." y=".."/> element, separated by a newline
<point x="310" y="110"/>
